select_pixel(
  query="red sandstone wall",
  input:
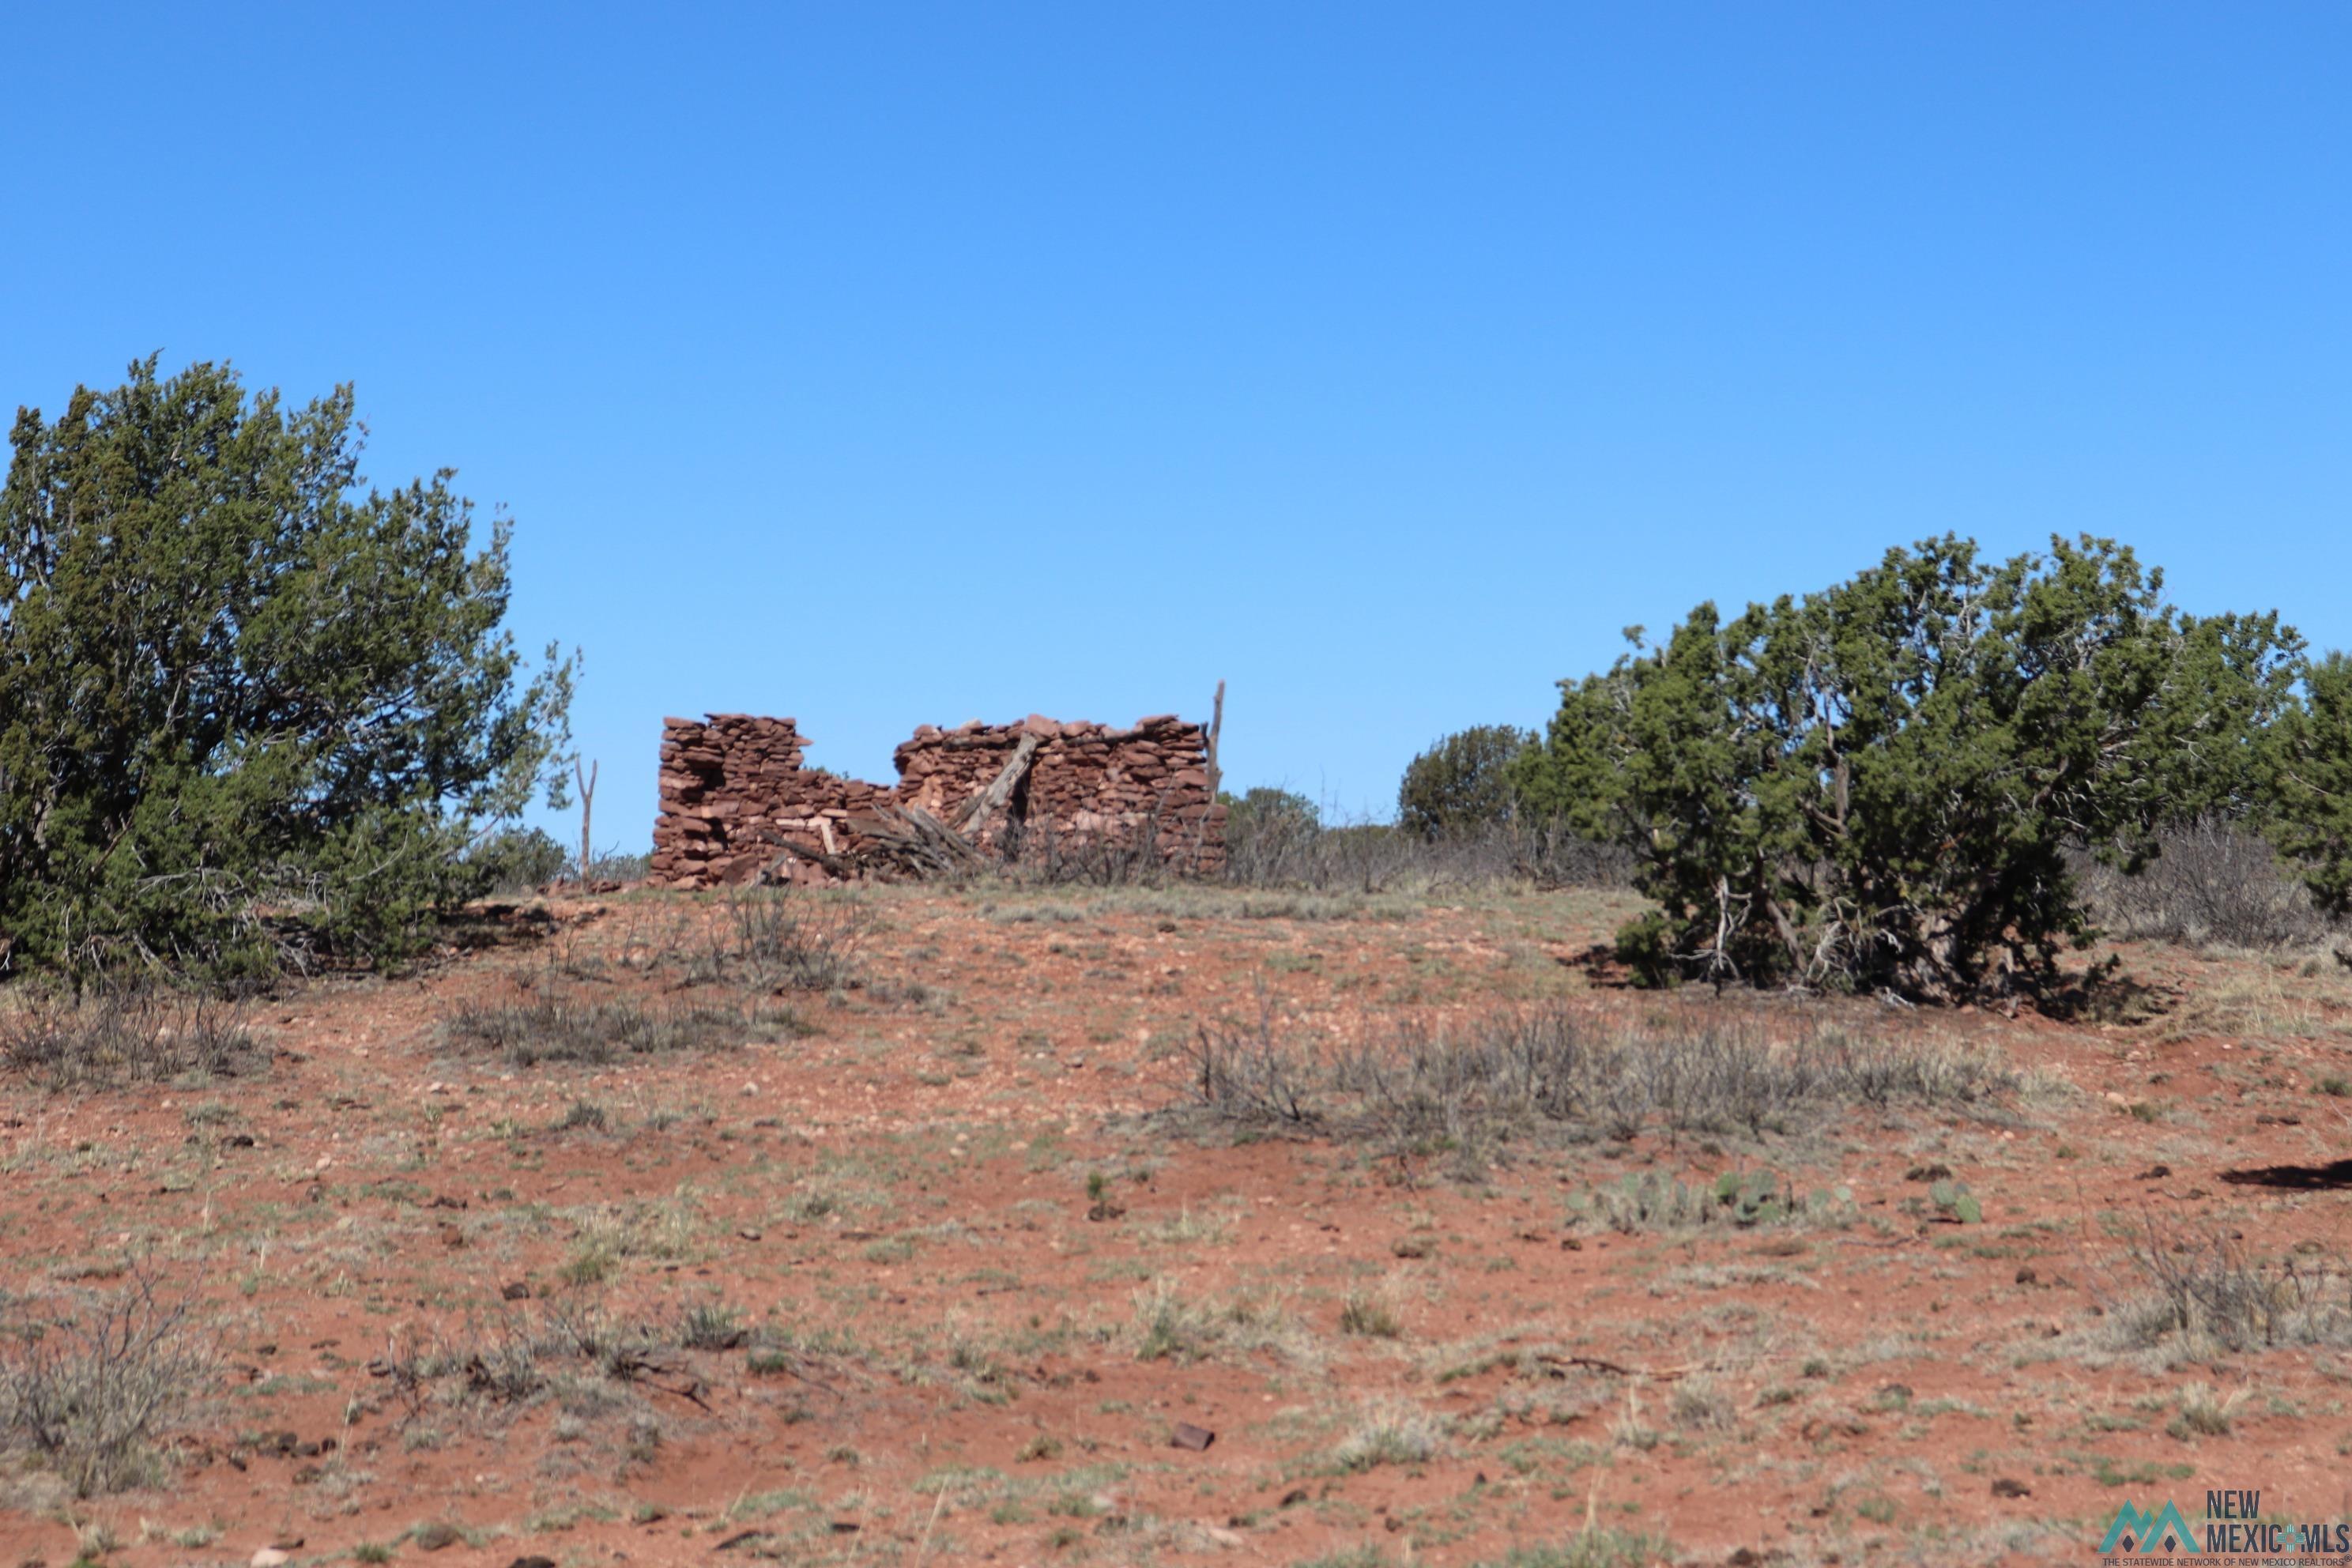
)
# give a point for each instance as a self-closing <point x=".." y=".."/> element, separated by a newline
<point x="734" y="795"/>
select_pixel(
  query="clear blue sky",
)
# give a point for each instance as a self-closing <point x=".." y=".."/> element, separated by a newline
<point x="884" y="363"/>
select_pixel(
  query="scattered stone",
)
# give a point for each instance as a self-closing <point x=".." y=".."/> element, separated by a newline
<point x="2004" y="1487"/>
<point x="749" y="1233"/>
<point x="1188" y="1435"/>
<point x="270" y="1557"/>
<point x="2153" y="1173"/>
<point x="432" y="1537"/>
<point x="2026" y="1274"/>
<point x="514" y="1290"/>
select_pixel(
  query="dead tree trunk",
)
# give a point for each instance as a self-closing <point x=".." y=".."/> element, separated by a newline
<point x="587" y="813"/>
<point x="1216" y="728"/>
<point x="973" y="815"/>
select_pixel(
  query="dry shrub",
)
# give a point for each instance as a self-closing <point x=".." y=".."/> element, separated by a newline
<point x="2211" y="882"/>
<point x="781" y="939"/>
<point x="1553" y="1072"/>
<point x="102" y="1040"/>
<point x="553" y="1028"/>
<point x="92" y="1392"/>
<point x="2204" y="1295"/>
<point x="1297" y="851"/>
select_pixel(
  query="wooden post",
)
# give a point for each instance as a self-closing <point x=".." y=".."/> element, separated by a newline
<point x="587" y="806"/>
<point x="1216" y="726"/>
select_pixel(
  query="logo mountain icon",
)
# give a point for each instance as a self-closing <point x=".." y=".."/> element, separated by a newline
<point x="2135" y="1530"/>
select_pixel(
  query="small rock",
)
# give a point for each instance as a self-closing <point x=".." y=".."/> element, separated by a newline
<point x="2026" y="1274"/>
<point x="751" y="1538"/>
<point x="2007" y="1488"/>
<point x="270" y="1557"/>
<point x="432" y="1537"/>
<point x="749" y="1233"/>
<point x="532" y="1562"/>
<point x="1188" y="1435"/>
<point x="514" y="1291"/>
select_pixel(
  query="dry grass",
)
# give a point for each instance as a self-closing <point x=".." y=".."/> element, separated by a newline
<point x="2202" y="1296"/>
<point x="92" y="1392"/>
<point x="1556" y="1073"/>
<point x="108" y="1038"/>
<point x="551" y="1028"/>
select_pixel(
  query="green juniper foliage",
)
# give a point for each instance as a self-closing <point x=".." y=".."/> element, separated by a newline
<point x="246" y="709"/>
<point x="2306" y="770"/>
<point x="1875" y="785"/>
<point x="1463" y="782"/>
<point x="1268" y="812"/>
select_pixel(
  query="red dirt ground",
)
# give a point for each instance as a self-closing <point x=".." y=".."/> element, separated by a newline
<point x="923" y="1338"/>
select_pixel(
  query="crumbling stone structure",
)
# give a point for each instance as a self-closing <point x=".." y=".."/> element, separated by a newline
<point x="738" y="807"/>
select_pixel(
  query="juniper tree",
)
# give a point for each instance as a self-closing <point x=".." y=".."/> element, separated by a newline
<point x="245" y="701"/>
<point x="1461" y="783"/>
<point x="1877" y="785"/>
<point x="2306" y="766"/>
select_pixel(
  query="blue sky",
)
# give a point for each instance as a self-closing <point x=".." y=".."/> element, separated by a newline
<point x="882" y="365"/>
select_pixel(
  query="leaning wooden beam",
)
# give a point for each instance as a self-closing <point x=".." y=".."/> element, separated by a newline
<point x="972" y="817"/>
<point x="838" y="866"/>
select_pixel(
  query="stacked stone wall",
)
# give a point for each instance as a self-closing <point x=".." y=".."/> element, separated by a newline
<point x="738" y="804"/>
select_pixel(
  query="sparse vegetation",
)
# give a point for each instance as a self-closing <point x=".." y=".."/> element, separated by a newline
<point x="1653" y="1201"/>
<point x="1389" y="1432"/>
<point x="2202" y="1296"/>
<point x="119" y="1035"/>
<point x="782" y="939"/>
<point x="2212" y="882"/>
<point x="559" y="1029"/>
<point x="1516" y="1074"/>
<point x="92" y="1391"/>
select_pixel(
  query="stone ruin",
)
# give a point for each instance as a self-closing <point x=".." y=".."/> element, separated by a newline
<point x="736" y="806"/>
